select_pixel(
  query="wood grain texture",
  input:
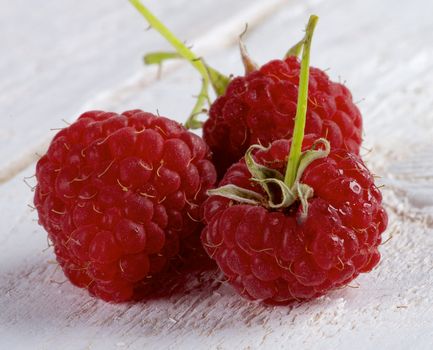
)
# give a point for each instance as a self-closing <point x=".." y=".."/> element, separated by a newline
<point x="383" y="49"/>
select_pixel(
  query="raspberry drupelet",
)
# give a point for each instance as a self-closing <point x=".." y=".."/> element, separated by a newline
<point x="119" y="196"/>
<point x="294" y="220"/>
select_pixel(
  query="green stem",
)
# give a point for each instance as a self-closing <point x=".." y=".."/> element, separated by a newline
<point x="182" y="50"/>
<point x="301" y="109"/>
<point x="180" y="47"/>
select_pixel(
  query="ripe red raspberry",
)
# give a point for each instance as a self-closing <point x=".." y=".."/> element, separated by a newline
<point x="260" y="107"/>
<point x="279" y="256"/>
<point x="119" y="196"/>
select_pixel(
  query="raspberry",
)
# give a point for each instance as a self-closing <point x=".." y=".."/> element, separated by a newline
<point x="260" y="107"/>
<point x="119" y="196"/>
<point x="274" y="255"/>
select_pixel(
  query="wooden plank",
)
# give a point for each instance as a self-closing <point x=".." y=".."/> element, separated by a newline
<point x="64" y="55"/>
<point x="385" y="62"/>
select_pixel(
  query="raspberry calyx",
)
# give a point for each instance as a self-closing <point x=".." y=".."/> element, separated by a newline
<point x="279" y="194"/>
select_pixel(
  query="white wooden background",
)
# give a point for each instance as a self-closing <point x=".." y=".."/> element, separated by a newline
<point x="59" y="58"/>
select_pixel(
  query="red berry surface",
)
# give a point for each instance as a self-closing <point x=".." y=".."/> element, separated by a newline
<point x="119" y="196"/>
<point x="260" y="108"/>
<point x="272" y="255"/>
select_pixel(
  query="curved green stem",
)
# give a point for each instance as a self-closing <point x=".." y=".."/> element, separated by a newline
<point x="301" y="109"/>
<point x="183" y="51"/>
<point x="192" y="122"/>
<point x="180" y="47"/>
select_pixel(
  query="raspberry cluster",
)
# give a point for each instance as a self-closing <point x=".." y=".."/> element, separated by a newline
<point x="119" y="196"/>
<point x="128" y="200"/>
<point x="260" y="107"/>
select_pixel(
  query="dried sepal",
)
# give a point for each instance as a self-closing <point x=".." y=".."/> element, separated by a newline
<point x="311" y="155"/>
<point x="238" y="194"/>
<point x="259" y="171"/>
<point x="249" y="64"/>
